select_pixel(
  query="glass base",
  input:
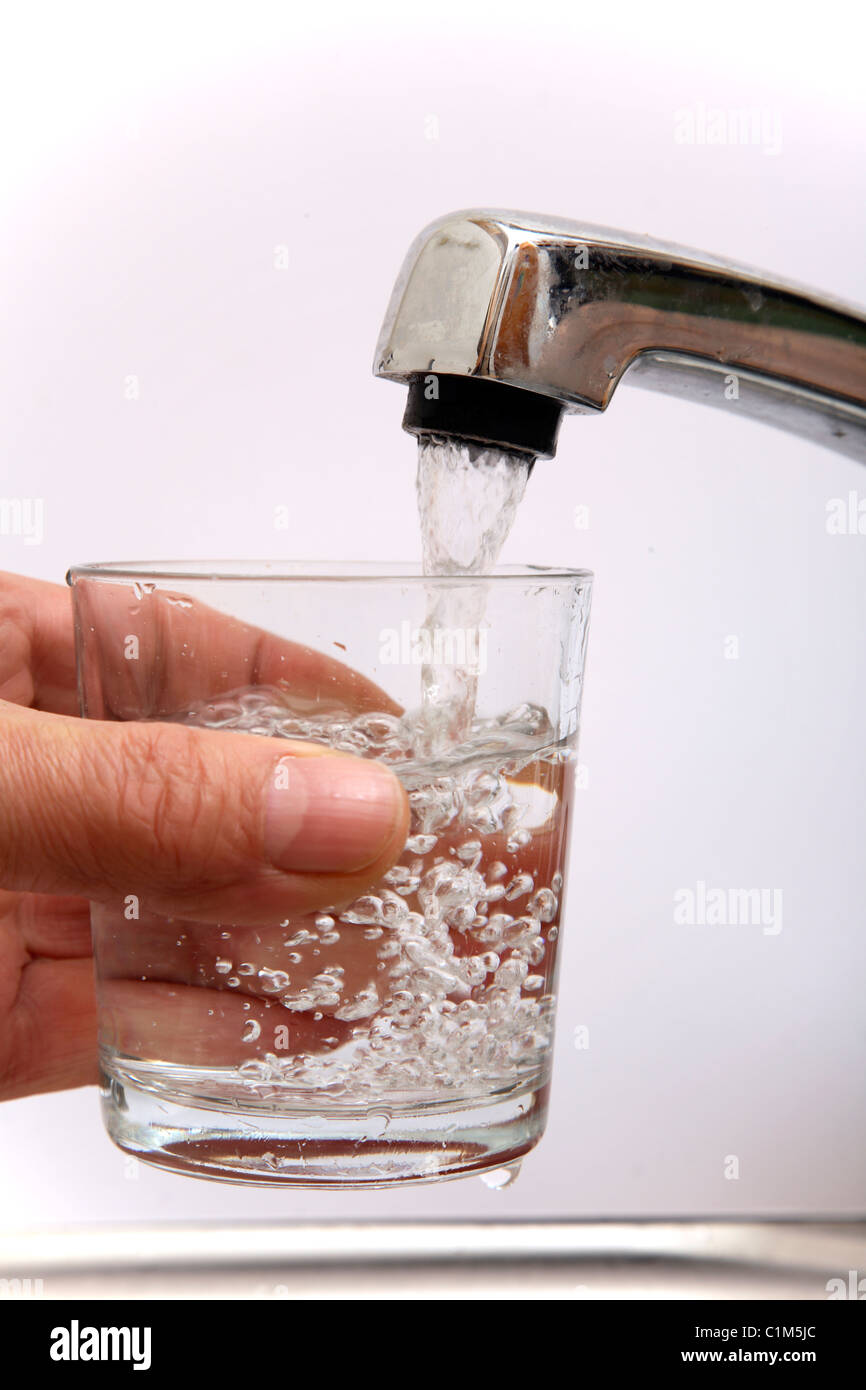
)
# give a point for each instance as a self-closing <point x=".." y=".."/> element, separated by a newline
<point x="308" y="1148"/>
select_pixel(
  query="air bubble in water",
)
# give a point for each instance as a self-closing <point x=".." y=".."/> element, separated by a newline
<point x="402" y="879"/>
<point x="490" y="935"/>
<point x="543" y="905"/>
<point x="365" y="1003"/>
<point x="519" y="886"/>
<point x="252" y="1031"/>
<point x="421" y="844"/>
<point x="273" y="981"/>
<point x="394" y="912"/>
<point x="458" y="1005"/>
<point x="366" y="911"/>
<point x="435" y="805"/>
<point x="512" y="972"/>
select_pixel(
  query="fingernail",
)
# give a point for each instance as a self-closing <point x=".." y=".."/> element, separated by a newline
<point x="329" y="815"/>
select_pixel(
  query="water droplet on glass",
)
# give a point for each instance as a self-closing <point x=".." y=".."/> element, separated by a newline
<point x="497" y="1178"/>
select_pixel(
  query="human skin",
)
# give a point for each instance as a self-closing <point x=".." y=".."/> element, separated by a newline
<point x="193" y="823"/>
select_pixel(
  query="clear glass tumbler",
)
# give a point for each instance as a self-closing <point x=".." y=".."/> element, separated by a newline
<point x="407" y="1035"/>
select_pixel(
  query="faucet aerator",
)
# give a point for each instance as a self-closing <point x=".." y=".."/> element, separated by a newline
<point x="483" y="412"/>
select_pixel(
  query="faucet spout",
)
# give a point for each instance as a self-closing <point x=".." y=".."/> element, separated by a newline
<point x="500" y="322"/>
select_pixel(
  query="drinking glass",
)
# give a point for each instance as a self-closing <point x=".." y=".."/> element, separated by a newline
<point x="405" y="1036"/>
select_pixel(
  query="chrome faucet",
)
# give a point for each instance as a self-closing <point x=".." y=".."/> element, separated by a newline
<point x="500" y="322"/>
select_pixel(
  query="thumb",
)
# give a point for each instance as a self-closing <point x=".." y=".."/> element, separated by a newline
<point x="197" y="824"/>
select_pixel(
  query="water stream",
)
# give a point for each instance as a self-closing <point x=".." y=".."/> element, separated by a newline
<point x="468" y="495"/>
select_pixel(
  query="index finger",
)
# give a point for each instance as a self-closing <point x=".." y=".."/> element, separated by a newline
<point x="193" y="652"/>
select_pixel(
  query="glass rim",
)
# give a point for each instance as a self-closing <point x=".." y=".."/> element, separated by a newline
<point x="312" y="571"/>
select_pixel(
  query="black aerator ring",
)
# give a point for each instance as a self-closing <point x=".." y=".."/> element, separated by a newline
<point x="488" y="412"/>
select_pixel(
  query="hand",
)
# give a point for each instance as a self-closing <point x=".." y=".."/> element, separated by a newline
<point x="192" y="822"/>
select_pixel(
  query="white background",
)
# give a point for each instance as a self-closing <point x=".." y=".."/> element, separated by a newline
<point x="153" y="159"/>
